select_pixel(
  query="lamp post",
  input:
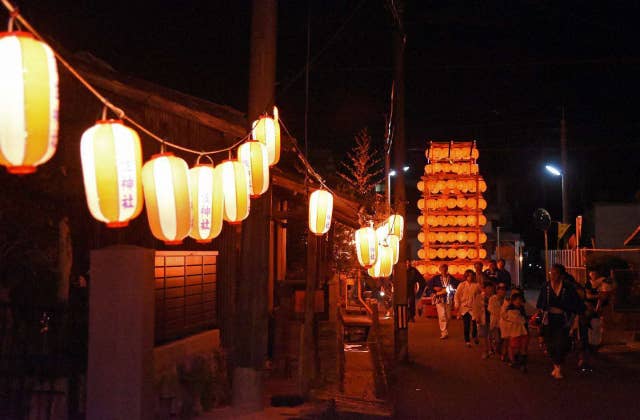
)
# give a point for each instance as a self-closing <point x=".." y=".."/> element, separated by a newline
<point x="565" y="209"/>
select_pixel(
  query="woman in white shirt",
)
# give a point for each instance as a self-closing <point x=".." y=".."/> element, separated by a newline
<point x="465" y="301"/>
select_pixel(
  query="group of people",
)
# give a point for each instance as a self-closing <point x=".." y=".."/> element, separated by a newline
<point x="494" y="312"/>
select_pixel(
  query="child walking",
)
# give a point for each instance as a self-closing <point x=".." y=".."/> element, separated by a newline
<point x="484" y="319"/>
<point x="495" y="314"/>
<point x="515" y="321"/>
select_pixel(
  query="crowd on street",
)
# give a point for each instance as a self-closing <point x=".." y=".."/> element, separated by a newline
<point x="567" y="316"/>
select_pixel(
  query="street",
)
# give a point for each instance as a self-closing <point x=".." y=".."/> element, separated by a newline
<point x="447" y="380"/>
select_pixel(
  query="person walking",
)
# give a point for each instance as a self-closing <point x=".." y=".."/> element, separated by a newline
<point x="502" y="274"/>
<point x="443" y="285"/>
<point x="414" y="280"/>
<point x="559" y="303"/>
<point x="492" y="271"/>
<point x="495" y="312"/>
<point x="465" y="301"/>
<point x="515" y="320"/>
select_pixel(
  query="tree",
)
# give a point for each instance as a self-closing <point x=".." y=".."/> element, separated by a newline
<point x="363" y="170"/>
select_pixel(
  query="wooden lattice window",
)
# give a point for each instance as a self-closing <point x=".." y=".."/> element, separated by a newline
<point x="185" y="294"/>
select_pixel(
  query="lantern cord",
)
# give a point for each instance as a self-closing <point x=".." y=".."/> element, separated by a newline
<point x="15" y="15"/>
<point x="304" y="160"/>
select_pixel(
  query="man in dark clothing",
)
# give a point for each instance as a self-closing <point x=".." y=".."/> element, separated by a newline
<point x="413" y="277"/>
<point x="492" y="272"/>
<point x="502" y="275"/>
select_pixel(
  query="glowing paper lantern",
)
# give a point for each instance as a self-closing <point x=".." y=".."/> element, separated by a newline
<point x="432" y="220"/>
<point x="111" y="167"/>
<point x="432" y="237"/>
<point x="432" y="269"/>
<point x="452" y="253"/>
<point x="432" y="254"/>
<point x="472" y="253"/>
<point x="366" y="246"/>
<point x="461" y="253"/>
<point x="320" y="211"/>
<point x="165" y="180"/>
<point x="441" y="221"/>
<point x="421" y="237"/>
<point x="451" y="221"/>
<point x="451" y="184"/>
<point x="482" y="253"/>
<point x="451" y="203"/>
<point x="482" y="203"/>
<point x="441" y="203"/>
<point x="461" y="236"/>
<point x="236" y="188"/>
<point x="432" y="204"/>
<point x="393" y="243"/>
<point x="482" y="238"/>
<point x="482" y="220"/>
<point x="421" y="220"/>
<point x="453" y="270"/>
<point x="267" y="130"/>
<point x="207" y="203"/>
<point x="420" y="186"/>
<point x="441" y="253"/>
<point x="461" y="220"/>
<point x="395" y="224"/>
<point x="421" y="204"/>
<point x="471" y="236"/>
<point x="384" y="264"/>
<point x="28" y="102"/>
<point x="461" y="202"/>
<point x="441" y="237"/>
<point x="253" y="154"/>
<point x="451" y="237"/>
<point x="421" y="268"/>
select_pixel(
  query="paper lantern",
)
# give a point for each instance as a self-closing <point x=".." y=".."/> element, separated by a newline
<point x="482" y="238"/>
<point x="461" y="220"/>
<point x="441" y="203"/>
<point x="428" y="169"/>
<point x="482" y="253"/>
<point x="453" y="269"/>
<point x="482" y="203"/>
<point x="461" y="253"/>
<point x="207" y="203"/>
<point x="421" y="237"/>
<point x="462" y="186"/>
<point x="471" y="236"/>
<point x="165" y="181"/>
<point x="471" y="220"/>
<point x="432" y="269"/>
<point x="420" y="186"/>
<point x="482" y="220"/>
<point x="451" y="221"/>
<point x="111" y="168"/>
<point x="461" y="202"/>
<point x="320" y="211"/>
<point x="253" y="154"/>
<point x="28" y="102"/>
<point x="451" y="203"/>
<point x="441" y="221"/>
<point x="441" y="253"/>
<point x="395" y="224"/>
<point x="421" y="220"/>
<point x="267" y="130"/>
<point x="451" y="237"/>
<point x="432" y="204"/>
<point x="384" y="264"/>
<point x="236" y="189"/>
<point x="483" y="185"/>
<point x="461" y="236"/>
<point x="472" y="253"/>
<point x="441" y="185"/>
<point x="441" y="237"/>
<point x="432" y="254"/>
<point x="421" y="269"/>
<point x="432" y="237"/>
<point x="451" y="184"/>
<point x="421" y="204"/>
<point x="366" y="246"/>
<point x="432" y="221"/>
<point x="472" y="203"/>
<point x="452" y="253"/>
<point x="393" y="242"/>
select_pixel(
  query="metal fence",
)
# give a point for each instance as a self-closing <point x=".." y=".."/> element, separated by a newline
<point x="186" y="295"/>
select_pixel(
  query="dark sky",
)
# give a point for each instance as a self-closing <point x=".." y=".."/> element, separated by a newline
<point x="495" y="71"/>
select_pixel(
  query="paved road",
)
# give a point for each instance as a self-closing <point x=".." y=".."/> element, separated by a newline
<point x="446" y="380"/>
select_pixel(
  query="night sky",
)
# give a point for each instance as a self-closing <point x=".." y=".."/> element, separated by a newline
<point x="499" y="72"/>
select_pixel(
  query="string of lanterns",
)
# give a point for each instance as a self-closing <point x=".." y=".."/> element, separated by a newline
<point x="179" y="201"/>
<point x="378" y="250"/>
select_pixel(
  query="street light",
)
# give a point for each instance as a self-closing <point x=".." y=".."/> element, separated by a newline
<point x="557" y="172"/>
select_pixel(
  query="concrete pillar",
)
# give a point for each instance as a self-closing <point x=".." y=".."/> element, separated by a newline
<point x="121" y="317"/>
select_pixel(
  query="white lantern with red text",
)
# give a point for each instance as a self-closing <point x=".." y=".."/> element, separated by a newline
<point x="366" y="246"/>
<point x="254" y="156"/>
<point x="384" y="264"/>
<point x="207" y="203"/>
<point x="320" y="211"/>
<point x="28" y="102"/>
<point x="111" y="168"/>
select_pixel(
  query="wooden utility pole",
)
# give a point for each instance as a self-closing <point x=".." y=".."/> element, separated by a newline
<point x="252" y="321"/>
<point x="401" y="332"/>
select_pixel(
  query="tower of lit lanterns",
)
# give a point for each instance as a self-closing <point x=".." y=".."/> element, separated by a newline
<point x="452" y="209"/>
